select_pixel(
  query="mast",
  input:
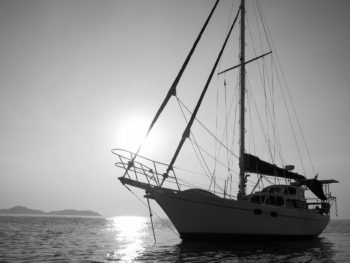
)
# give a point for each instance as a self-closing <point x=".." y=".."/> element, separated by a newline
<point x="242" y="183"/>
<point x="187" y="131"/>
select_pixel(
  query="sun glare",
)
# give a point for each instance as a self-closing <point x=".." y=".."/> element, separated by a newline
<point x="132" y="131"/>
<point x="130" y="233"/>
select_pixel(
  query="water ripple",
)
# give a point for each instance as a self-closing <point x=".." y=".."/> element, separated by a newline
<point x="130" y="239"/>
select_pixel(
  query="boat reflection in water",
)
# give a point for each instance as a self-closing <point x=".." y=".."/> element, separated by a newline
<point x="131" y="240"/>
<point x="130" y="234"/>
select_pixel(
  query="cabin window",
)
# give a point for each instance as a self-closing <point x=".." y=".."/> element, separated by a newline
<point x="274" y="190"/>
<point x="258" y="199"/>
<point x="272" y="200"/>
<point x="295" y="203"/>
<point x="279" y="201"/>
<point x="300" y="204"/>
<point x="290" y="191"/>
<point x="289" y="203"/>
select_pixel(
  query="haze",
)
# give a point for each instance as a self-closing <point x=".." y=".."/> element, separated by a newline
<point x="73" y="73"/>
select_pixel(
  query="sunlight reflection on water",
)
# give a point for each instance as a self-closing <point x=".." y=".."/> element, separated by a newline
<point x="130" y="233"/>
<point x="130" y="239"/>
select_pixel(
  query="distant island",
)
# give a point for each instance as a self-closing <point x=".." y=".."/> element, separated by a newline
<point x="67" y="212"/>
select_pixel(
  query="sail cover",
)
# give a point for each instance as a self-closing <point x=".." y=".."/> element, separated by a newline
<point x="254" y="165"/>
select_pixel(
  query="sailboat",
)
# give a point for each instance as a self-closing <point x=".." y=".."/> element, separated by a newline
<point x="280" y="209"/>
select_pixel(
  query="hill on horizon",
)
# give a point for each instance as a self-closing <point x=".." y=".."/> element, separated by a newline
<point x="67" y="212"/>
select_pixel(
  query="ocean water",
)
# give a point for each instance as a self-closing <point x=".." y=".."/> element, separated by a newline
<point x="130" y="239"/>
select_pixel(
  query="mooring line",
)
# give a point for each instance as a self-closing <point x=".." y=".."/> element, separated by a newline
<point x="166" y="223"/>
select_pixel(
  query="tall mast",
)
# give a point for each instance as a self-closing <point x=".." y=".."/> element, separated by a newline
<point x="242" y="184"/>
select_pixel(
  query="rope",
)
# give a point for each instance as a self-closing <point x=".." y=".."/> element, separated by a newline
<point x="164" y="222"/>
<point x="259" y="117"/>
<point x="267" y="32"/>
<point x="202" y="149"/>
<point x="200" y="161"/>
<point x="210" y="133"/>
<point x="150" y="216"/>
<point x="266" y="83"/>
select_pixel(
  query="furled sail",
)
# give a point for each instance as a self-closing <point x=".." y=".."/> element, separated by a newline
<point x="253" y="164"/>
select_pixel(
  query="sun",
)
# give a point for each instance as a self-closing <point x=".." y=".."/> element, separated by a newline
<point x="132" y="131"/>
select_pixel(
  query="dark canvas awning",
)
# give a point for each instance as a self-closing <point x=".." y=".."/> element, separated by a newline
<point x="254" y="165"/>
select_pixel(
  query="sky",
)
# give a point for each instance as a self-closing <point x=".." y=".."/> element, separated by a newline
<point x="78" y="77"/>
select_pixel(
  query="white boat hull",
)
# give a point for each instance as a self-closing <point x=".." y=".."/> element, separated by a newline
<point x="199" y="214"/>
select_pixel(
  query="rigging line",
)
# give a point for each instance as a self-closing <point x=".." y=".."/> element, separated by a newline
<point x="279" y="146"/>
<point x="258" y="27"/>
<point x="235" y="93"/>
<point x="212" y="176"/>
<point x="199" y="154"/>
<point x="210" y="133"/>
<point x="226" y="122"/>
<point x="200" y="161"/>
<point x="183" y="182"/>
<point x="190" y="183"/>
<point x="228" y="27"/>
<point x="195" y="183"/>
<point x="163" y="221"/>
<point x="260" y="74"/>
<point x="210" y="155"/>
<point x="172" y="90"/>
<point x="273" y="119"/>
<point x="175" y="168"/>
<point x="267" y="110"/>
<point x="231" y="12"/>
<point x="217" y="153"/>
<point x="230" y="160"/>
<point x="264" y="24"/>
<point x="263" y="80"/>
<point x="216" y="121"/>
<point x="275" y="127"/>
<point x="234" y="98"/>
<point x="186" y="132"/>
<point x="150" y="216"/>
<point x="235" y="111"/>
<point x="287" y="87"/>
<point x="299" y="125"/>
<point x="193" y="172"/>
<point x="251" y="123"/>
<point x="189" y="171"/>
<point x="267" y="114"/>
<point x="260" y="120"/>
<point x="291" y="124"/>
<point x="217" y="95"/>
<point x="219" y="162"/>
<point x="266" y="30"/>
<point x="217" y="89"/>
